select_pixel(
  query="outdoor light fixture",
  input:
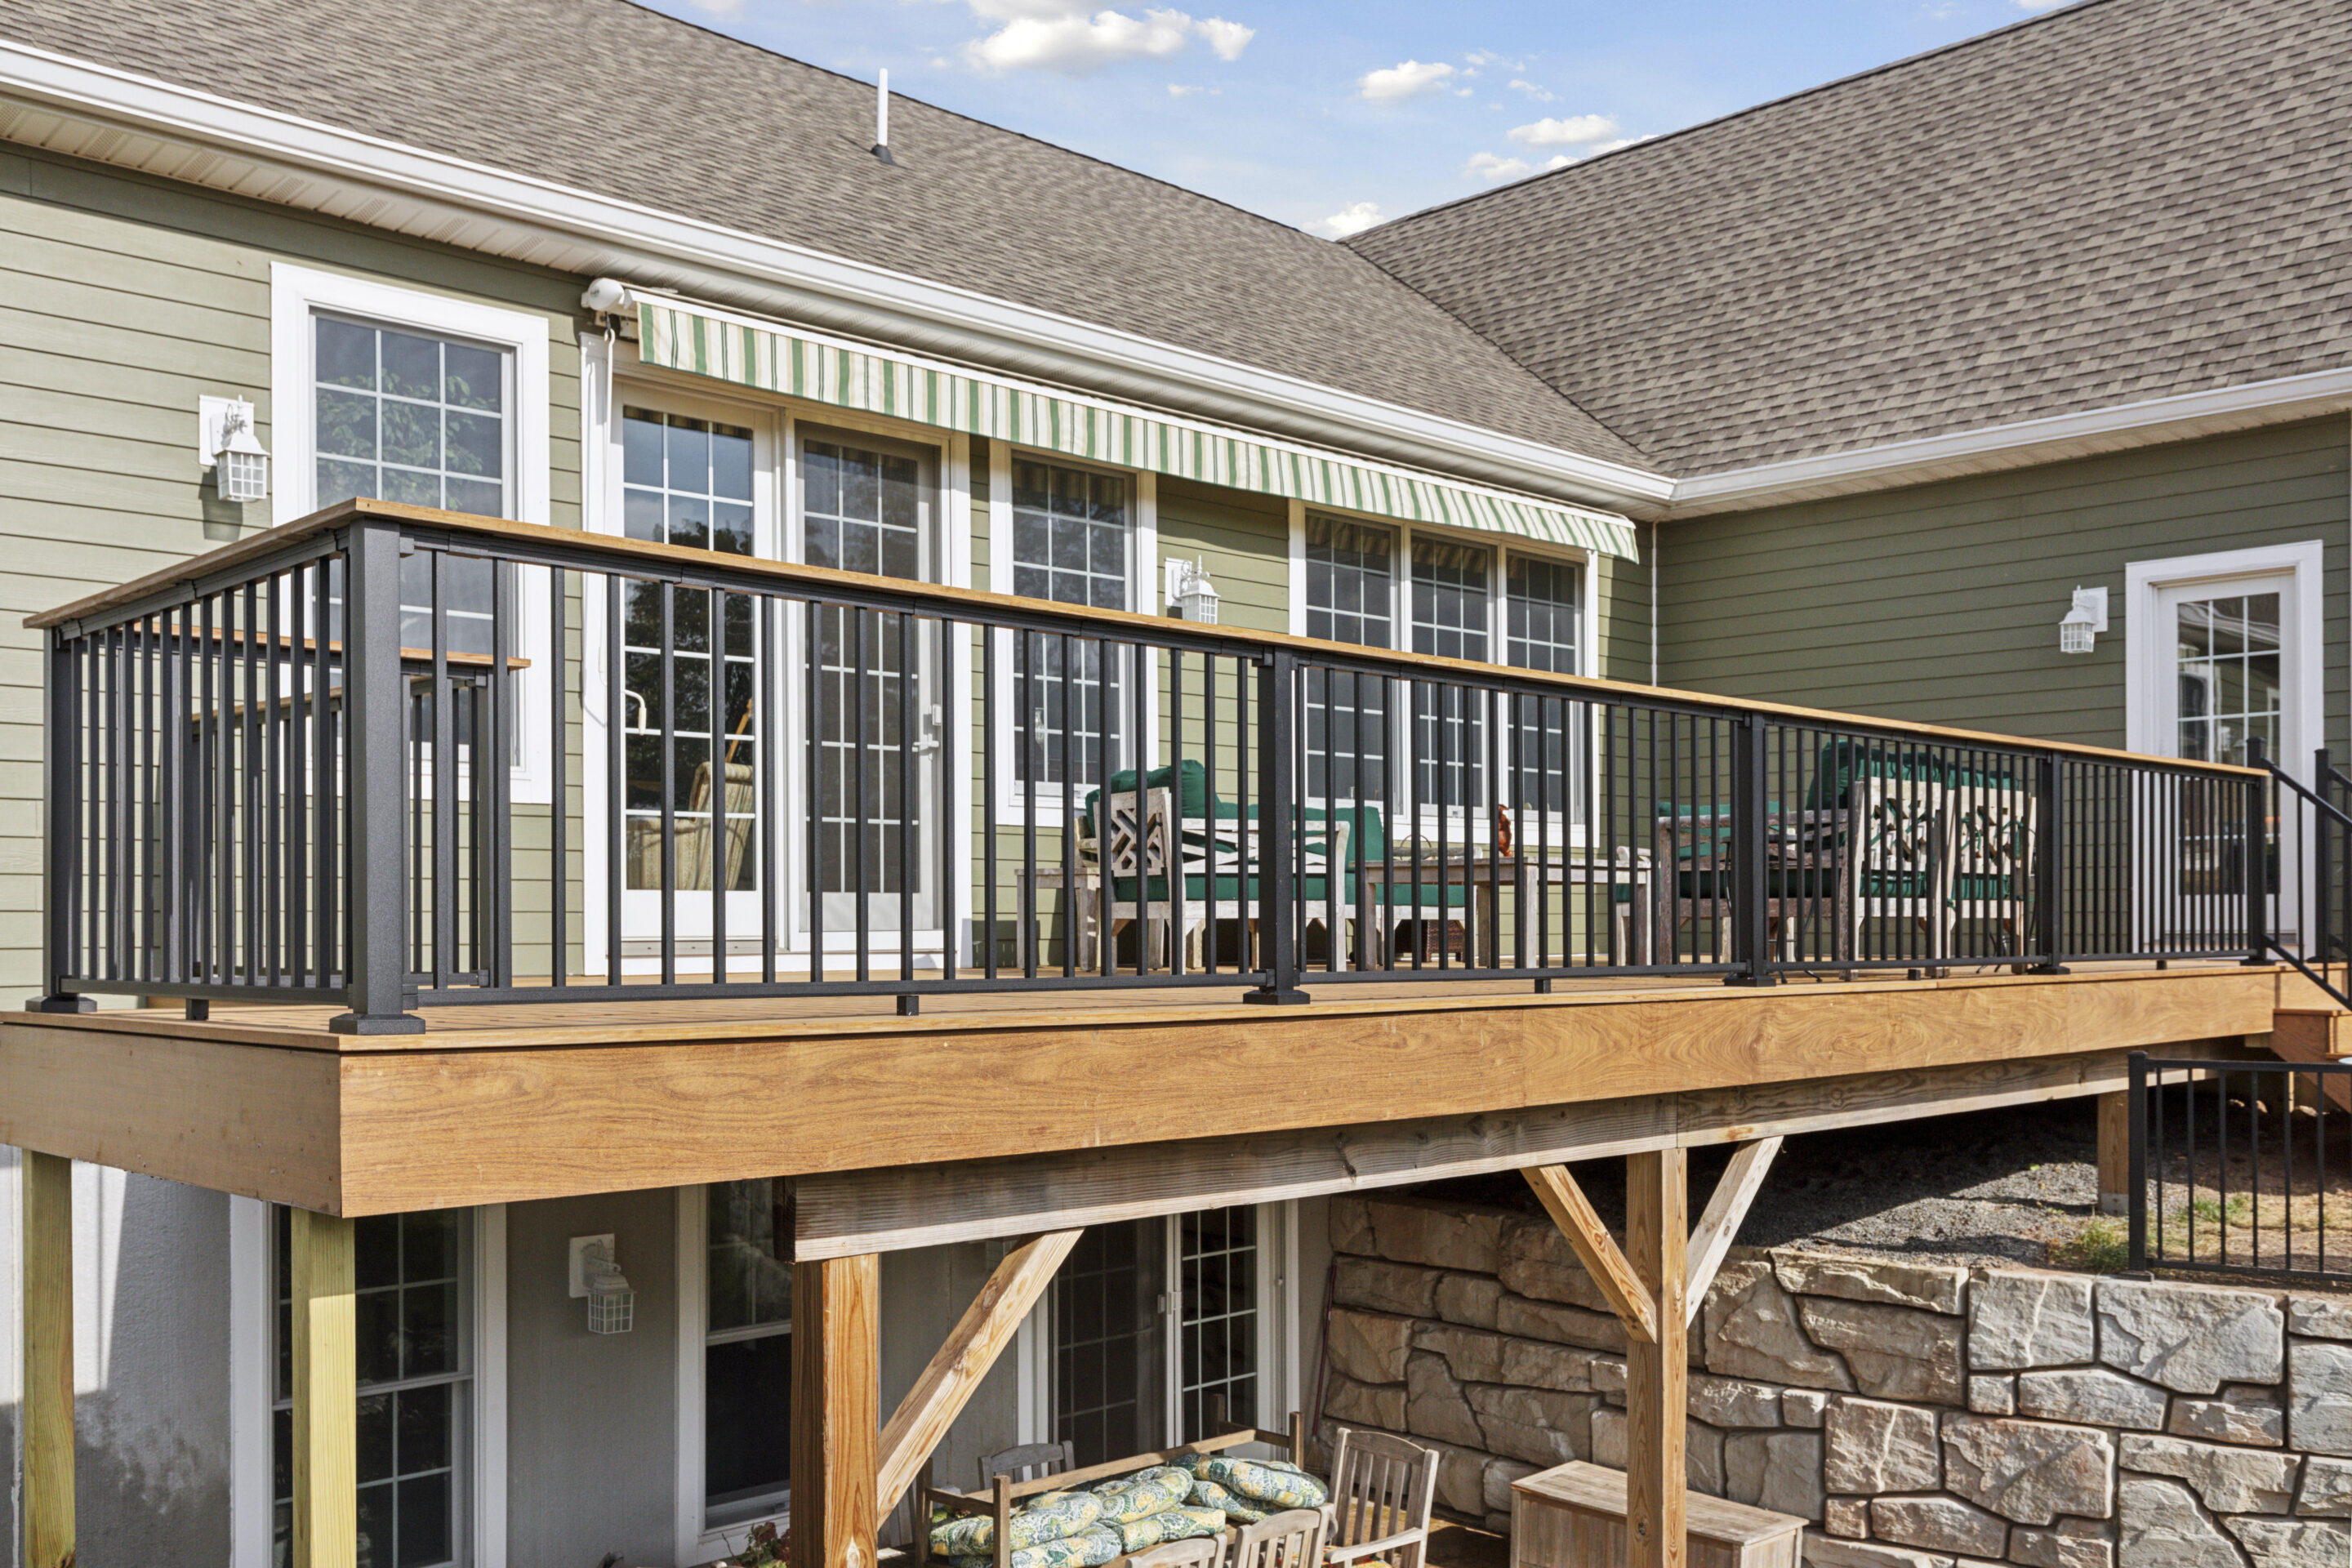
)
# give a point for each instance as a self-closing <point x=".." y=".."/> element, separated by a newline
<point x="612" y="1303"/>
<point x="226" y="445"/>
<point x="607" y="297"/>
<point x="1190" y="590"/>
<point x="2088" y="617"/>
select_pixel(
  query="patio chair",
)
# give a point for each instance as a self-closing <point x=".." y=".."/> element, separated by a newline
<point x="1382" y="1488"/>
<point x="1989" y="863"/>
<point x="1028" y="1461"/>
<point x="1200" y="1552"/>
<point x="1291" y="1538"/>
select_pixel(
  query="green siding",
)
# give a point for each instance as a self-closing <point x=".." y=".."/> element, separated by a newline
<point x="1245" y="542"/>
<point x="1941" y="603"/>
<point x="122" y="300"/>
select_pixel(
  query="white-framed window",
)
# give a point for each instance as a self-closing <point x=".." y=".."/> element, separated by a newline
<point x="430" y="1309"/>
<point x="734" y="1363"/>
<point x="1474" y="597"/>
<point x="1154" y="1328"/>
<point x="1073" y="534"/>
<point x="417" y="398"/>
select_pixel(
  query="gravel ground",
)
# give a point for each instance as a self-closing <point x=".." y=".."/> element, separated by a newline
<point x="1997" y="1186"/>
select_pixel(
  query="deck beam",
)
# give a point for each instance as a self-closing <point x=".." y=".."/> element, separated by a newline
<point x="47" y="1350"/>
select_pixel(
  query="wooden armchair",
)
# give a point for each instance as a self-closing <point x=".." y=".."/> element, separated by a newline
<point x="1027" y="1461"/>
<point x="1382" y="1489"/>
<point x="1291" y="1538"/>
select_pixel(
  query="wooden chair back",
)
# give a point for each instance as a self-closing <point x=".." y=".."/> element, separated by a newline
<point x="1028" y="1461"/>
<point x="1200" y="1552"/>
<point x="1382" y="1488"/>
<point x="1292" y="1538"/>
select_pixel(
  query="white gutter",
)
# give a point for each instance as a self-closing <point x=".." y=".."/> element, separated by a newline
<point x="2017" y="445"/>
<point x="602" y="235"/>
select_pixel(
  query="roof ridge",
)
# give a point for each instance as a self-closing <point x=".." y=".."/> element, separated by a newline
<point x="2075" y="7"/>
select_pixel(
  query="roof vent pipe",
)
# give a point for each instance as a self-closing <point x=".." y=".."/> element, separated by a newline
<point x="882" y="118"/>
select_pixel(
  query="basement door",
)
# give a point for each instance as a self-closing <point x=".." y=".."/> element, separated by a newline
<point x="1159" y="1329"/>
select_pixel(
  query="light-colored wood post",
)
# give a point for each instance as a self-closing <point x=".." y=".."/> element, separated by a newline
<point x="326" y="1393"/>
<point x="837" y="1411"/>
<point x="48" y="1418"/>
<point x="2114" y="1152"/>
<point x="1657" y="1228"/>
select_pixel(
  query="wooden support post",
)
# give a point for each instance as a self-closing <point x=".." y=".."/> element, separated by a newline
<point x="2114" y="1152"/>
<point x="836" y="1410"/>
<point x="954" y="1373"/>
<point x="1658" y="1226"/>
<point x="326" y="1393"/>
<point x="48" y="1418"/>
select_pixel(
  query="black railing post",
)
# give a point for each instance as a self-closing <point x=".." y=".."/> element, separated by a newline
<point x="2135" y="1163"/>
<point x="1751" y="924"/>
<point x="374" y="694"/>
<point x="1276" y="741"/>
<point x="62" y="817"/>
<point x="2321" y="861"/>
<point x="2049" y="849"/>
<point x="2256" y="876"/>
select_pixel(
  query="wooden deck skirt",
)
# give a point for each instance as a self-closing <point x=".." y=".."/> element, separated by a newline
<point x="509" y="1104"/>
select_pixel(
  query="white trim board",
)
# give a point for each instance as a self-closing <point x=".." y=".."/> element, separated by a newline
<point x="84" y="109"/>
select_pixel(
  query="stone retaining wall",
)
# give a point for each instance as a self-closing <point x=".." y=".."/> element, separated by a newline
<point x="1923" y="1416"/>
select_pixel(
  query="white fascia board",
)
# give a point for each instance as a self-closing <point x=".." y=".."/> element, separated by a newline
<point x="2016" y="445"/>
<point x="695" y="257"/>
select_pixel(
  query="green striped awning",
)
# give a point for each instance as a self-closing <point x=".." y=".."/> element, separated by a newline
<point x="802" y="364"/>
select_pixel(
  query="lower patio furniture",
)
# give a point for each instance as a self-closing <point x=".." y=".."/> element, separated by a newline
<point x="1291" y="1538"/>
<point x="1027" y="1462"/>
<point x="1573" y="1516"/>
<point x="1382" y="1489"/>
<point x="1201" y="1552"/>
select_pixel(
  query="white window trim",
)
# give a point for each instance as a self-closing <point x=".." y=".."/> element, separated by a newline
<point x="299" y="293"/>
<point x="252" y="1301"/>
<point x="1143" y="597"/>
<point x="2302" y="673"/>
<point x="607" y="381"/>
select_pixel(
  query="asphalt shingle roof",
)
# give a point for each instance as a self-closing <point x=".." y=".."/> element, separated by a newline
<point x="2125" y="200"/>
<point x="607" y="97"/>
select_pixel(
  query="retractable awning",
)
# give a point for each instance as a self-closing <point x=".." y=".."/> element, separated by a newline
<point x="678" y="336"/>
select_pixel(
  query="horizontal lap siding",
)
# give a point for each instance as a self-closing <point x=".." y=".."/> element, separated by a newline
<point x="123" y="299"/>
<point x="1941" y="603"/>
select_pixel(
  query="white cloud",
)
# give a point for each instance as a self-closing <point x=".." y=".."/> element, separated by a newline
<point x="1408" y="79"/>
<point x="1054" y="35"/>
<point x="2039" y="4"/>
<point x="717" y="7"/>
<point x="1489" y="57"/>
<point x="1227" y="38"/>
<point x="1491" y="167"/>
<point x="1539" y="94"/>
<point x="1177" y="90"/>
<point x="1575" y="131"/>
<point x="1353" y="218"/>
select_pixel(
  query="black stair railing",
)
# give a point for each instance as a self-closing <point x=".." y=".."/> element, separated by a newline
<point x="387" y="758"/>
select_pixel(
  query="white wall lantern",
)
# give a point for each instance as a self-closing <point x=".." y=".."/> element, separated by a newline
<point x="226" y="444"/>
<point x="1190" y="590"/>
<point x="2088" y="617"/>
<point x="612" y="1303"/>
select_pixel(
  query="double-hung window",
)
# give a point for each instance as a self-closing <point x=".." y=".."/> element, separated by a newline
<point x="414" y="1311"/>
<point x="1451" y="615"/>
<point x="1073" y="539"/>
<point x="1544" y="630"/>
<point x="1351" y="597"/>
<point x="747" y="1358"/>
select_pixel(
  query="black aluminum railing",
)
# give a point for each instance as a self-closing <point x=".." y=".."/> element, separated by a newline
<point x="2311" y="871"/>
<point x="393" y="758"/>
<point x="2241" y="1167"/>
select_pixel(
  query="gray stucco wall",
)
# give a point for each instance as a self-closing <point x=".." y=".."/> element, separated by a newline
<point x="592" y="1419"/>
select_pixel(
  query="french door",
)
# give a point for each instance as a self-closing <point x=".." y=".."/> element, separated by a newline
<point x="1163" y="1329"/>
<point x="869" y="750"/>
<point x="2229" y="657"/>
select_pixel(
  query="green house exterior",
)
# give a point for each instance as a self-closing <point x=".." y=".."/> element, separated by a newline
<point x="1889" y="524"/>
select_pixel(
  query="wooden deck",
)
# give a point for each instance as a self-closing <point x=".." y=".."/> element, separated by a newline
<point x="495" y="1104"/>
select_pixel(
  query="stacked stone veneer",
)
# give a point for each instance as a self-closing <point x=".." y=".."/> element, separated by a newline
<point x="1923" y="1416"/>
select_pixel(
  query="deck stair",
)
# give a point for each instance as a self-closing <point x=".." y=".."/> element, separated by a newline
<point x="2316" y="1035"/>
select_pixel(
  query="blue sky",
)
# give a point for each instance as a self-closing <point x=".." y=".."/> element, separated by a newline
<point x="1331" y="115"/>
